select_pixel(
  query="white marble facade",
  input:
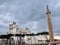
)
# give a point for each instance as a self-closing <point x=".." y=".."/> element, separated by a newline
<point x="14" y="29"/>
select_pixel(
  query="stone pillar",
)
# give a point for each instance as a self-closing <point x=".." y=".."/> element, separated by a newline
<point x="50" y="29"/>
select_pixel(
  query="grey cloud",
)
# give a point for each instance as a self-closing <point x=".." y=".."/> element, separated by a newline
<point x="25" y="11"/>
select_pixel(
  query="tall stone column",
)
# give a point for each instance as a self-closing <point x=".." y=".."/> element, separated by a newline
<point x="50" y="29"/>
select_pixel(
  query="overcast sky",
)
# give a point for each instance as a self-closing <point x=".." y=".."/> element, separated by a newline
<point x="29" y="13"/>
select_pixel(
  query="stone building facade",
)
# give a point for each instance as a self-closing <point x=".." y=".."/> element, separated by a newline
<point x="14" y="29"/>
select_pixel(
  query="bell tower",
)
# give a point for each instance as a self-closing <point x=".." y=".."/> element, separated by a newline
<point x="50" y="29"/>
